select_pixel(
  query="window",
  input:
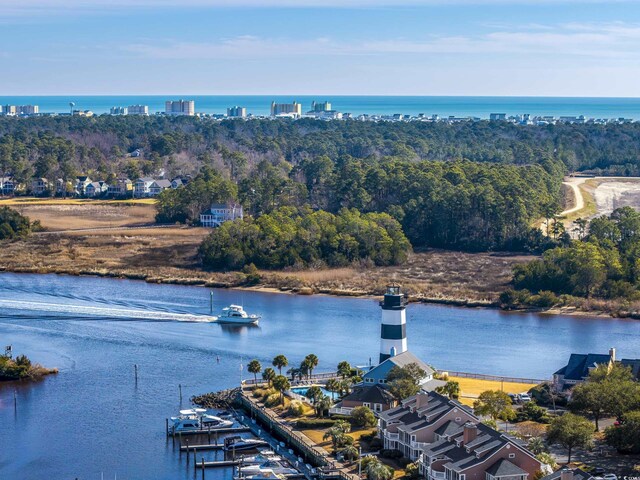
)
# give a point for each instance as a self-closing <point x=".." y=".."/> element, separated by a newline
<point x="512" y="455"/>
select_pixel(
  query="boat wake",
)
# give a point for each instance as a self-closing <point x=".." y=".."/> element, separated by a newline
<point x="88" y="311"/>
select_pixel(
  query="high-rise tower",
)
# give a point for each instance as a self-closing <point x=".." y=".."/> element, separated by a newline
<point x="393" y="332"/>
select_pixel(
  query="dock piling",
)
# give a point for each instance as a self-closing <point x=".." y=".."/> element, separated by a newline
<point x="202" y="468"/>
<point x="209" y="434"/>
<point x="15" y="400"/>
<point x="166" y="426"/>
<point x="180" y="388"/>
<point x="187" y="451"/>
<point x="135" y="369"/>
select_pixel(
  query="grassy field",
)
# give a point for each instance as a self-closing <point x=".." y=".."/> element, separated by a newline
<point x="471" y="388"/>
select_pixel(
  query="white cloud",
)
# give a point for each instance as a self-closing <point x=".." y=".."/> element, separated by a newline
<point x="610" y="40"/>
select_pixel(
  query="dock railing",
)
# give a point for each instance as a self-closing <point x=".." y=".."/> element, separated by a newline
<point x="494" y="378"/>
<point x="316" y="377"/>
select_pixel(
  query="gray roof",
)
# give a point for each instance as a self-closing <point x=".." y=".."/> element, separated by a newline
<point x="504" y="468"/>
<point x="432" y="384"/>
<point x="429" y="412"/>
<point x="163" y="183"/>
<point x="449" y="428"/>
<point x="577" y="475"/>
<point x="579" y="364"/>
<point x="405" y="358"/>
<point x="370" y="394"/>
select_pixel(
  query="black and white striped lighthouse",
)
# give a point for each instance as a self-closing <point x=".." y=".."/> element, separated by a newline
<point x="393" y="332"/>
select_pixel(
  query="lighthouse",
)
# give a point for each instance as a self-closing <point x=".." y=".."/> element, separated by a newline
<point x="393" y="332"/>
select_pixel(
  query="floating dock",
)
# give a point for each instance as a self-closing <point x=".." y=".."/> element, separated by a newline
<point x="204" y="431"/>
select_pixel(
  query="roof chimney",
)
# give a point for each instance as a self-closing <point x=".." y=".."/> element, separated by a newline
<point x="566" y="474"/>
<point x="469" y="433"/>
<point x="612" y="354"/>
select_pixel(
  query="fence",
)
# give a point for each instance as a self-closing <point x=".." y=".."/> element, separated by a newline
<point x="494" y="378"/>
<point x="311" y="378"/>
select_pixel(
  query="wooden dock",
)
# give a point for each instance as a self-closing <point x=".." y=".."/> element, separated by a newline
<point x="206" y="446"/>
<point x="204" y="431"/>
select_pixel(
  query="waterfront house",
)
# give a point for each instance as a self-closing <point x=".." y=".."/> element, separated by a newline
<point x="378" y="374"/>
<point x="39" y="186"/>
<point x="142" y="186"/>
<point x="96" y="189"/>
<point x="220" y="213"/>
<point x="577" y="369"/>
<point x="157" y="186"/>
<point x="81" y="184"/>
<point x="178" y="182"/>
<point x="474" y="451"/>
<point x="421" y="420"/>
<point x="121" y="188"/>
<point x="376" y="397"/>
<point x="568" y="474"/>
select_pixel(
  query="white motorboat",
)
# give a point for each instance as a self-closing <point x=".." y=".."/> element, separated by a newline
<point x="260" y="458"/>
<point x="235" y="314"/>
<point x="239" y="443"/>
<point x="193" y="419"/>
<point x="265" y="475"/>
<point x="270" y="465"/>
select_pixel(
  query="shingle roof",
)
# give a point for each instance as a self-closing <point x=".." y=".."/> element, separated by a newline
<point x="577" y="475"/>
<point x="163" y="183"/>
<point x="579" y="364"/>
<point x="372" y="394"/>
<point x="504" y="467"/>
<point x="405" y="358"/>
<point x="449" y="428"/>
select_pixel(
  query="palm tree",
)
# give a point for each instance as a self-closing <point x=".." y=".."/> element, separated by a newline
<point x="344" y="386"/>
<point x="322" y="405"/>
<point x="379" y="471"/>
<point x="269" y="374"/>
<point x="451" y="389"/>
<point x="333" y="385"/>
<point x="350" y="452"/>
<point x="295" y="372"/>
<point x="280" y="361"/>
<point x="344" y="369"/>
<point x="312" y="361"/>
<point x="338" y="434"/>
<point x="313" y="393"/>
<point x="281" y="384"/>
<point x="254" y="367"/>
<point x="305" y="368"/>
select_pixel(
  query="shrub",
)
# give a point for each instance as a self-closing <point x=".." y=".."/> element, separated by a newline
<point x="337" y="416"/>
<point x="296" y="408"/>
<point x="272" y="400"/>
<point x="363" y="417"/>
<point x="315" y="423"/>
<point x="544" y="299"/>
<point x="375" y="444"/>
<point x="392" y="454"/>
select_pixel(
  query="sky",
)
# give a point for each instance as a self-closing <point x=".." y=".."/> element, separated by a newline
<point x="328" y="47"/>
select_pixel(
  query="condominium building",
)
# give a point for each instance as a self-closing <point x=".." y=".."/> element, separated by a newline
<point x="118" y="111"/>
<point x="179" y="107"/>
<point x="28" y="110"/>
<point x="320" y="106"/>
<point x="9" y="110"/>
<point x="294" y="109"/>
<point x="138" y="109"/>
<point x="237" y="112"/>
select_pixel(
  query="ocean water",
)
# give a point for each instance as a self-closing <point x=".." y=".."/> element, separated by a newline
<point x="379" y="105"/>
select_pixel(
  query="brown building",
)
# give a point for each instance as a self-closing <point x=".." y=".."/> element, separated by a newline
<point x="376" y="397"/>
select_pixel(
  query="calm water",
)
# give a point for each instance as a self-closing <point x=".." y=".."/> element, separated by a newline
<point x="381" y="105"/>
<point x="92" y="418"/>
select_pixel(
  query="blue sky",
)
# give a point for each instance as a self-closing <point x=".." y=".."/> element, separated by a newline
<point x="331" y="47"/>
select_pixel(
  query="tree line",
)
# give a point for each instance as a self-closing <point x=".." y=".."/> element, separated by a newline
<point x="289" y="237"/>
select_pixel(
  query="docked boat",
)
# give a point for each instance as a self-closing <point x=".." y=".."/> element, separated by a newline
<point x="272" y="465"/>
<point x="197" y="419"/>
<point x="265" y="475"/>
<point x="260" y="458"/>
<point x="239" y="443"/>
<point x="235" y="314"/>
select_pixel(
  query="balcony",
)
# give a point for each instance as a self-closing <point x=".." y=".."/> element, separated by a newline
<point x="435" y="475"/>
<point x="340" y="410"/>
<point x="419" y="445"/>
<point x="391" y="436"/>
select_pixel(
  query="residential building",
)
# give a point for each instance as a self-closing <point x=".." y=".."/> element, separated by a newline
<point x="96" y="189"/>
<point x="568" y="474"/>
<point x="577" y="369"/>
<point x="8" y="185"/>
<point x="9" y="110"/>
<point x="293" y="109"/>
<point x="179" y="107"/>
<point x="421" y="420"/>
<point x="178" y="182"/>
<point x="64" y="187"/>
<point x="136" y="153"/>
<point x="320" y="106"/>
<point x="158" y="186"/>
<point x="142" y="186"/>
<point x="82" y="113"/>
<point x="39" y="186"/>
<point x="237" y="112"/>
<point x="118" y="111"/>
<point x="220" y="213"/>
<point x="28" y="110"/>
<point x="138" y="110"/>
<point x="378" y="374"/>
<point x="81" y="184"/>
<point x="497" y="116"/>
<point x="376" y="397"/>
<point x="474" y="451"/>
<point x="123" y="187"/>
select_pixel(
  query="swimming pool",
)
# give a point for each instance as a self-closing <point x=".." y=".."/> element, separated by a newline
<point x="303" y="390"/>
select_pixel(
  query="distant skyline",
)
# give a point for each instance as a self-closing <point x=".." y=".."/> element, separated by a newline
<point x="331" y="47"/>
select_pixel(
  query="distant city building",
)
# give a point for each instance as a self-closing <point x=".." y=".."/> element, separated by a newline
<point x="179" y="107"/>
<point x="220" y="213"/>
<point x="9" y="110"/>
<point x="28" y="110"/>
<point x="82" y="113"/>
<point x="239" y="112"/>
<point x="118" y="110"/>
<point x="320" y="106"/>
<point x="138" y="110"/>
<point x="294" y="109"/>
<point x="497" y="116"/>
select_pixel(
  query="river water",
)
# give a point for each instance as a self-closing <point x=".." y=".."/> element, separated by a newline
<point x="93" y="418"/>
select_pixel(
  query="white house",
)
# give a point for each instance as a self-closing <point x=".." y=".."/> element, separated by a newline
<point x="142" y="186"/>
<point x="81" y="184"/>
<point x="121" y="188"/>
<point x="220" y="213"/>
<point x="39" y="186"/>
<point x="8" y="185"/>
<point x="95" y="189"/>
<point x="158" y="186"/>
